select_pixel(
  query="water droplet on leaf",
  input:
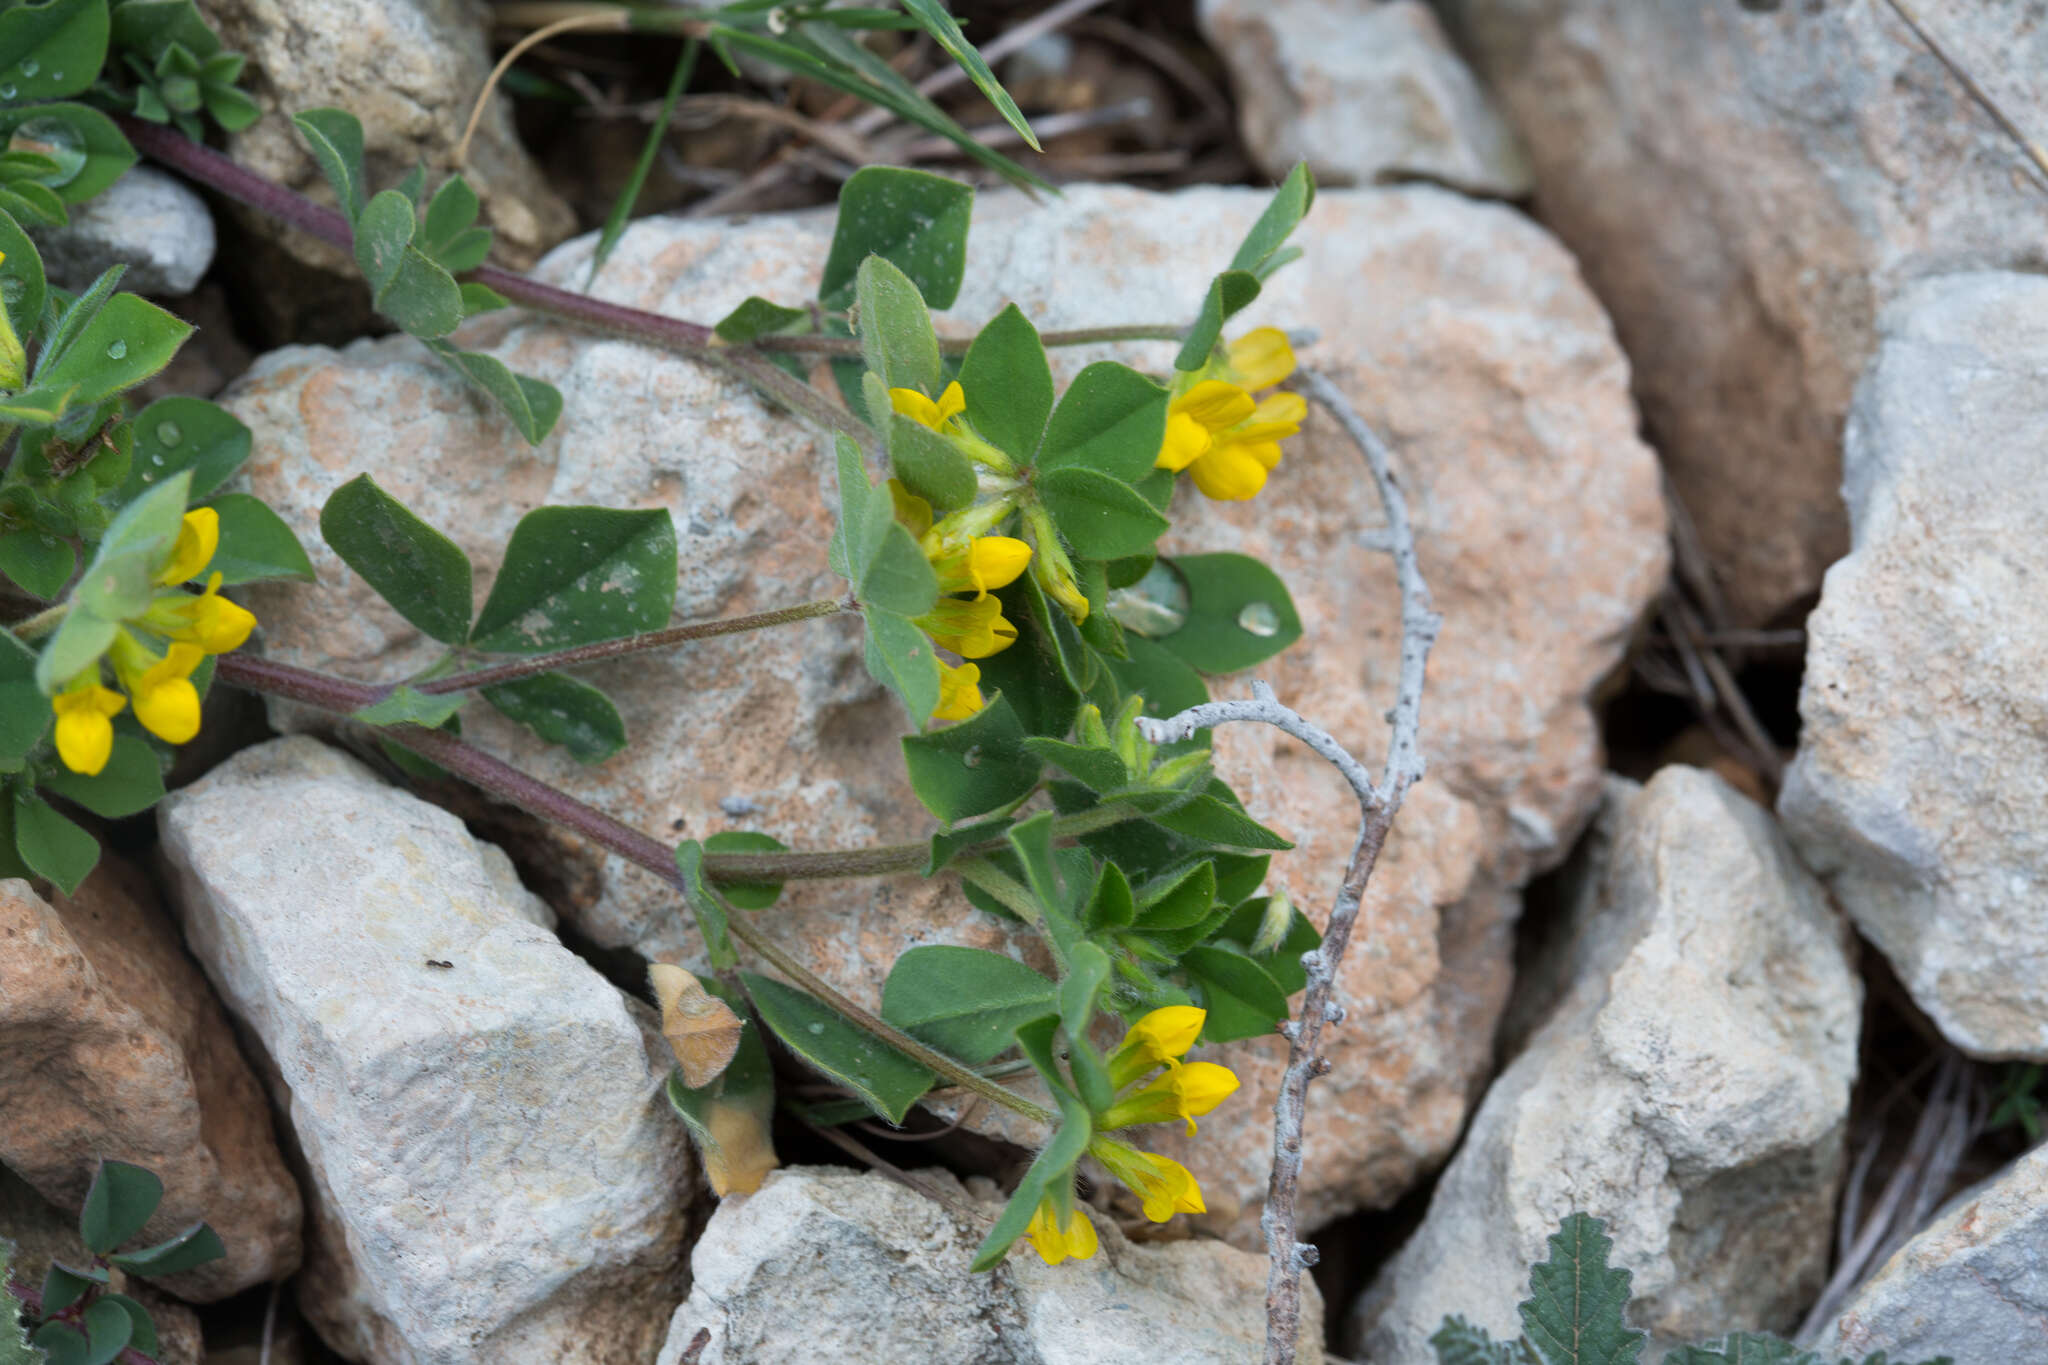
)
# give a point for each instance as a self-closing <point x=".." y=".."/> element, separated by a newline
<point x="1259" y="618"/>
<point x="815" y="1027"/>
<point x="972" y="758"/>
<point x="49" y="137"/>
<point x="7" y="91"/>
<point x="116" y="349"/>
<point x="29" y="66"/>
<point x="1155" y="605"/>
<point x="168" y="433"/>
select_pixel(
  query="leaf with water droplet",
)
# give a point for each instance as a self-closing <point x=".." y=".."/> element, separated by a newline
<point x="178" y="433"/>
<point x="87" y="146"/>
<point x="1239" y="614"/>
<point x="884" y="1078"/>
<point x="126" y="342"/>
<point x="973" y="767"/>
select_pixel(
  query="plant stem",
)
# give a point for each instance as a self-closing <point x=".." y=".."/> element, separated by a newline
<point x="549" y="803"/>
<point x="695" y="340"/>
<point x="493" y="674"/>
<point x="812" y="344"/>
<point x="42" y="623"/>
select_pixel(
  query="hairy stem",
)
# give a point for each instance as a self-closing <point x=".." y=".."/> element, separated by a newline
<point x="813" y="344"/>
<point x="493" y="674"/>
<point x="42" y="623"/>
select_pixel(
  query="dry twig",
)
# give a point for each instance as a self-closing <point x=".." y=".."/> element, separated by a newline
<point x="1378" y="804"/>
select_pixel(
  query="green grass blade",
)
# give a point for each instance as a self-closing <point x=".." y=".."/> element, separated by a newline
<point x="622" y="207"/>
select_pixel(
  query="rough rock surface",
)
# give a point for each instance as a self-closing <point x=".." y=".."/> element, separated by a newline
<point x="1459" y="329"/>
<point x="831" y="1265"/>
<point x="147" y="220"/>
<point x="410" y="70"/>
<point x="1363" y="92"/>
<point x="1918" y="787"/>
<point x="1690" y="1090"/>
<point x="495" y="1173"/>
<point x="41" y="1234"/>
<point x="1972" y="1285"/>
<point x="112" y="1046"/>
<point x="1747" y="186"/>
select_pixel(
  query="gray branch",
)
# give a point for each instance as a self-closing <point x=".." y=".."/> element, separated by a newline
<point x="1378" y="803"/>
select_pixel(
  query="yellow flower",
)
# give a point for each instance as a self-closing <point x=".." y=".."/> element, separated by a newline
<point x="1161" y="1038"/>
<point x="972" y="629"/>
<point x="198" y="538"/>
<point x="914" y="512"/>
<point x="1164" y="1185"/>
<point x="165" y="700"/>
<point x="209" y="620"/>
<point x="922" y="410"/>
<point x="1227" y="440"/>
<point x="983" y="563"/>
<point x="959" y="692"/>
<point x="85" y="731"/>
<point x="1057" y="1234"/>
<point x="1181" y="1092"/>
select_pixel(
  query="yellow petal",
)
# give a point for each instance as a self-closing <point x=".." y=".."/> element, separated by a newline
<point x="1163" y="1185"/>
<point x="1261" y="358"/>
<point x="914" y="512"/>
<point x="1160" y="1037"/>
<point x="951" y="403"/>
<point x="972" y="629"/>
<point x="1054" y="1241"/>
<point x="1186" y="440"/>
<point x="85" y="738"/>
<point x="1278" y="416"/>
<point x="995" y="561"/>
<point x="1199" y="1087"/>
<point x="165" y="700"/>
<point x="959" y="692"/>
<point x="1217" y="404"/>
<point x="1230" y="473"/>
<point x="918" y="408"/>
<point x="198" y="538"/>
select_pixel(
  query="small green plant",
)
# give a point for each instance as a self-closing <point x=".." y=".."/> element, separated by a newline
<point x="1577" y="1314"/>
<point x="2018" y="1100"/>
<point x="75" y="1319"/>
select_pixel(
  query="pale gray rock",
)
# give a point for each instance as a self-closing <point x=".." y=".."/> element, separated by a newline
<point x="147" y="220"/>
<point x="825" y="1265"/>
<point x="1690" y="1090"/>
<point x="494" y="1170"/>
<point x="1458" y="327"/>
<point x="1746" y="187"/>
<point x="1971" y="1285"/>
<point x="1364" y="92"/>
<point x="1919" y="785"/>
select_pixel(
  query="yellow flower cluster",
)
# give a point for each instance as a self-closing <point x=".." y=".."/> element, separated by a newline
<point x="1184" y="1091"/>
<point x="1227" y="440"/>
<point x="189" y="626"/>
<point x="970" y="564"/>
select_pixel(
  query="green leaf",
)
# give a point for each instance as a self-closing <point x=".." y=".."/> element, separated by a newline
<point x="532" y="404"/>
<point x="120" y="1201"/>
<point x="336" y="139"/>
<point x="150" y="27"/>
<point x="978" y="765"/>
<point x="1283" y="961"/>
<point x="1243" y="1000"/>
<point x="1459" y="1342"/>
<point x="886" y="1079"/>
<point x="193" y="1247"/>
<point x="87" y="146"/>
<point x="65" y="1285"/>
<point x="126" y="342"/>
<point x="33" y="203"/>
<point x="52" y="846"/>
<point x="896" y="578"/>
<point x="53" y="49"/>
<point x="929" y="465"/>
<point x="71" y="320"/>
<point x="1745" y="1348"/>
<point x="900" y="658"/>
<point x="384" y="229"/>
<point x="1229" y="293"/>
<point x="141" y="1331"/>
<point x="657" y="133"/>
<point x="563" y="710"/>
<point x="25" y="713"/>
<point x="966" y="1002"/>
<point x="1058" y="883"/>
<point x="1098" y="769"/>
<point x="132" y="782"/>
<point x="849" y="547"/>
<point x="1289" y="205"/>
<point x="21" y="279"/>
<point x="449" y="215"/>
<point x="1227" y="594"/>
<point x="121" y="580"/>
<point x="179" y="433"/>
<point x="1207" y="819"/>
<point x="419" y="571"/>
<point x="1008" y="385"/>
<point x="1178" y="901"/>
<point x="758" y="317"/>
<point x="480" y="298"/>
<point x="255" y="543"/>
<point x="1167" y="684"/>
<point x="1100" y="517"/>
<point x="407" y="706"/>
<point x="706" y="905"/>
<point x="11" y="864"/>
<point x="945" y="30"/>
<point x="577" y="575"/>
<point x="1573" y="1315"/>
<point x="406" y="285"/>
<point x="1053" y="1165"/>
<point x="1111" y="420"/>
<point x="895" y="328"/>
<point x="40" y="563"/>
<point x="61" y="1344"/>
<point x="747" y="895"/>
<point x="915" y="220"/>
<point x="78" y="643"/>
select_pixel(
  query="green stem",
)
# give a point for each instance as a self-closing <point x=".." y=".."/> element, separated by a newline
<point x="493" y="674"/>
<point x="42" y="623"/>
<point x="1014" y="895"/>
<point x="888" y="860"/>
<point x="812" y="344"/>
